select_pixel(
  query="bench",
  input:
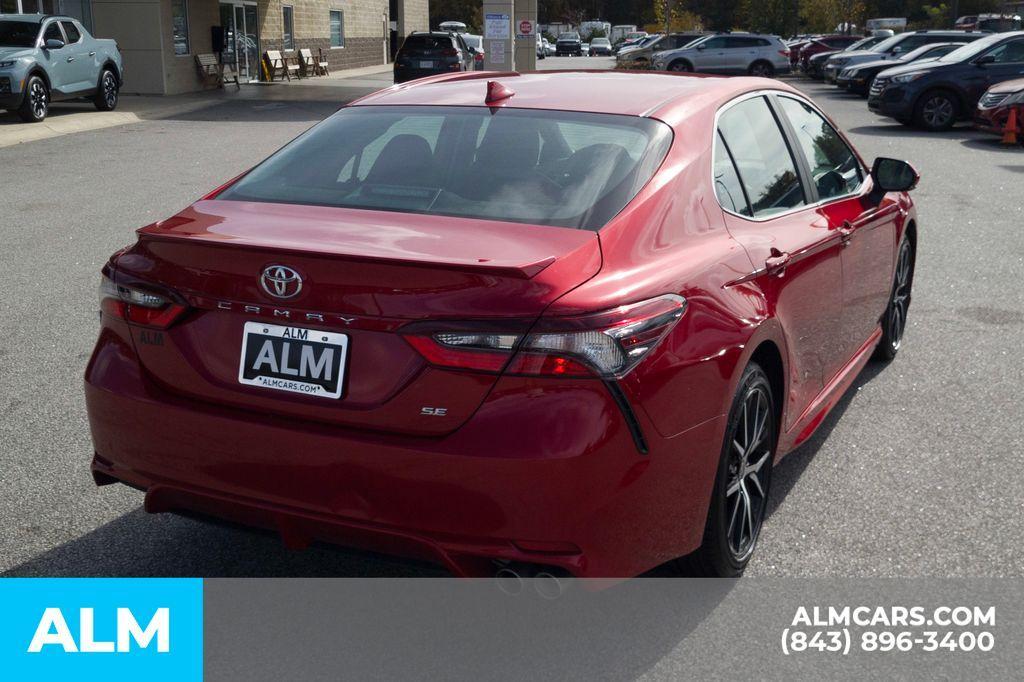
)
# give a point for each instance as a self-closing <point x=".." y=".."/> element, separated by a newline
<point x="213" y="72"/>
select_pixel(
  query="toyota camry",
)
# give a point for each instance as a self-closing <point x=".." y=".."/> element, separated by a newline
<point x="508" y="322"/>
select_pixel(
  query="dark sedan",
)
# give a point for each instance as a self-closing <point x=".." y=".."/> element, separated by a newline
<point x="857" y="79"/>
<point x="938" y="93"/>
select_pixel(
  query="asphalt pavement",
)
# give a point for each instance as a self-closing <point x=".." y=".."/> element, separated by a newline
<point x="918" y="472"/>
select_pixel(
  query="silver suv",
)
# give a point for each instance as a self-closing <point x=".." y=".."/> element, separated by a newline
<point x="737" y="53"/>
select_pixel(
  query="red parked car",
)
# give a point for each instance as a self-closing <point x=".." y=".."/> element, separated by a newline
<point x="824" y="44"/>
<point x="516" y="325"/>
<point x="993" y="110"/>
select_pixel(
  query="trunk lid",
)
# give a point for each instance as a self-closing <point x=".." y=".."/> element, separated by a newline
<point x="365" y="274"/>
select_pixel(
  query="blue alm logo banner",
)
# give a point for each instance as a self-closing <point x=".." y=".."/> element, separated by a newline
<point x="102" y="629"/>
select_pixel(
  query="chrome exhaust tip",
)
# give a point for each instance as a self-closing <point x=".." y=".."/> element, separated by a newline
<point x="509" y="581"/>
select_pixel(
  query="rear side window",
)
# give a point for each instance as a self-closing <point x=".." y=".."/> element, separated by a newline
<point x="556" y="168"/>
<point x="833" y="165"/>
<point x="765" y="166"/>
<point x="728" y="188"/>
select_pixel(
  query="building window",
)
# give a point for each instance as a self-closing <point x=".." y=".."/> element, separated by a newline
<point x="289" y="27"/>
<point x="337" y="28"/>
<point x="179" y="26"/>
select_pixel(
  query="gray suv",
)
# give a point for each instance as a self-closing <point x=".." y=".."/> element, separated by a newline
<point x="735" y="53"/>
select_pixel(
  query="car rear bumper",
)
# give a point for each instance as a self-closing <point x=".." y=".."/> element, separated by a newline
<point x="546" y="472"/>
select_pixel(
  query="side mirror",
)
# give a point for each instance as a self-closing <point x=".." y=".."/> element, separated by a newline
<point x="986" y="59"/>
<point x="897" y="50"/>
<point x="702" y="46"/>
<point x="893" y="175"/>
<point x="53" y="44"/>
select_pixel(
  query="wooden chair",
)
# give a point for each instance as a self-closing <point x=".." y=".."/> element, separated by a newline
<point x="309" y="67"/>
<point x="323" y="64"/>
<point x="210" y="70"/>
<point x="278" y="65"/>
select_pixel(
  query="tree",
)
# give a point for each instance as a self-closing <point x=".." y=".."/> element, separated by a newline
<point x="469" y="12"/>
<point x="778" y="17"/>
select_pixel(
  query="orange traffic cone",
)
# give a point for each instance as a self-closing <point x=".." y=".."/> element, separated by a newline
<point x="1010" y="131"/>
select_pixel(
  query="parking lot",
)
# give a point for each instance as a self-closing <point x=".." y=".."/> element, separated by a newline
<point x="918" y="472"/>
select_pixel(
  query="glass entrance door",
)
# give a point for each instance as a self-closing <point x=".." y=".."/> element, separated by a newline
<point x="241" y="42"/>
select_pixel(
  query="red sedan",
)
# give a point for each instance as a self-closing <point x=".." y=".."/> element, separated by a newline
<point x="515" y="324"/>
<point x="993" y="110"/>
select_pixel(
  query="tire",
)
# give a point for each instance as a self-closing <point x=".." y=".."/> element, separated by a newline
<point x="894" y="321"/>
<point x="681" y="66"/>
<point x="936" y="110"/>
<point x="35" y="104"/>
<point x="727" y="545"/>
<point x="107" y="93"/>
<point x="761" y="69"/>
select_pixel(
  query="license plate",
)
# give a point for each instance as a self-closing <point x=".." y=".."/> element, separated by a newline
<point x="426" y="65"/>
<point x="295" y="359"/>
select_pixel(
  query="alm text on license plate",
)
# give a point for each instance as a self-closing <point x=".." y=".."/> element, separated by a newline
<point x="296" y="359"/>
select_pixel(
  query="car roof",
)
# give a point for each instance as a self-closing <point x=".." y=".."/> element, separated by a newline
<point x="668" y="96"/>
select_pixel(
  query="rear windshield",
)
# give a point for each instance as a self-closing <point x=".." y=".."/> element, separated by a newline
<point x="427" y="43"/>
<point x="554" y="168"/>
<point x="568" y="36"/>
<point x="18" y="33"/>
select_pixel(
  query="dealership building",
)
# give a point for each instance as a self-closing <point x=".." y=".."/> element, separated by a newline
<point x="160" y="38"/>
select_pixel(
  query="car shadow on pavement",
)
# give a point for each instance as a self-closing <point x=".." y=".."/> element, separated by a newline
<point x="167" y="545"/>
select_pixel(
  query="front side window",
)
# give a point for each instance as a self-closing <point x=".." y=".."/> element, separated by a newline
<point x="289" y="28"/>
<point x="179" y="26"/>
<point x="555" y="168"/>
<point x="71" y="31"/>
<point x="765" y="166"/>
<point x="52" y="32"/>
<point x="833" y="164"/>
<point x="337" y="28"/>
<point x="1010" y="52"/>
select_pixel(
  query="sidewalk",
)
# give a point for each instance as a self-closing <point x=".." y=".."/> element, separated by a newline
<point x="74" y="117"/>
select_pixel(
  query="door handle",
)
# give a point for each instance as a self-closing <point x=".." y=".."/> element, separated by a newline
<point x="71" y="59"/>
<point x="92" y="54"/>
<point x="776" y="263"/>
<point x="846" y="233"/>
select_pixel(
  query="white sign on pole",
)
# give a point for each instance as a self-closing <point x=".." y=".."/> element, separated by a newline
<point x="497" y="52"/>
<point x="497" y="26"/>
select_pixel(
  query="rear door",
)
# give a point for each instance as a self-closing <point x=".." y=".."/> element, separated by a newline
<point x="82" y="73"/>
<point x="867" y="224"/>
<point x="795" y="254"/>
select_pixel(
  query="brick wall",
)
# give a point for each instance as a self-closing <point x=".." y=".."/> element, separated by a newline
<point x="364" y="24"/>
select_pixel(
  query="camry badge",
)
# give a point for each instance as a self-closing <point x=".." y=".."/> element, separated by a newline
<point x="280" y="281"/>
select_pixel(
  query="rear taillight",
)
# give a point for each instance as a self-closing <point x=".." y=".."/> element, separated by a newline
<point x="784" y="53"/>
<point x="478" y="57"/>
<point x="607" y="344"/>
<point x="138" y="305"/>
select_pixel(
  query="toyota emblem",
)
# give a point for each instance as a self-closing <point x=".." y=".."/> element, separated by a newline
<point x="280" y="281"/>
